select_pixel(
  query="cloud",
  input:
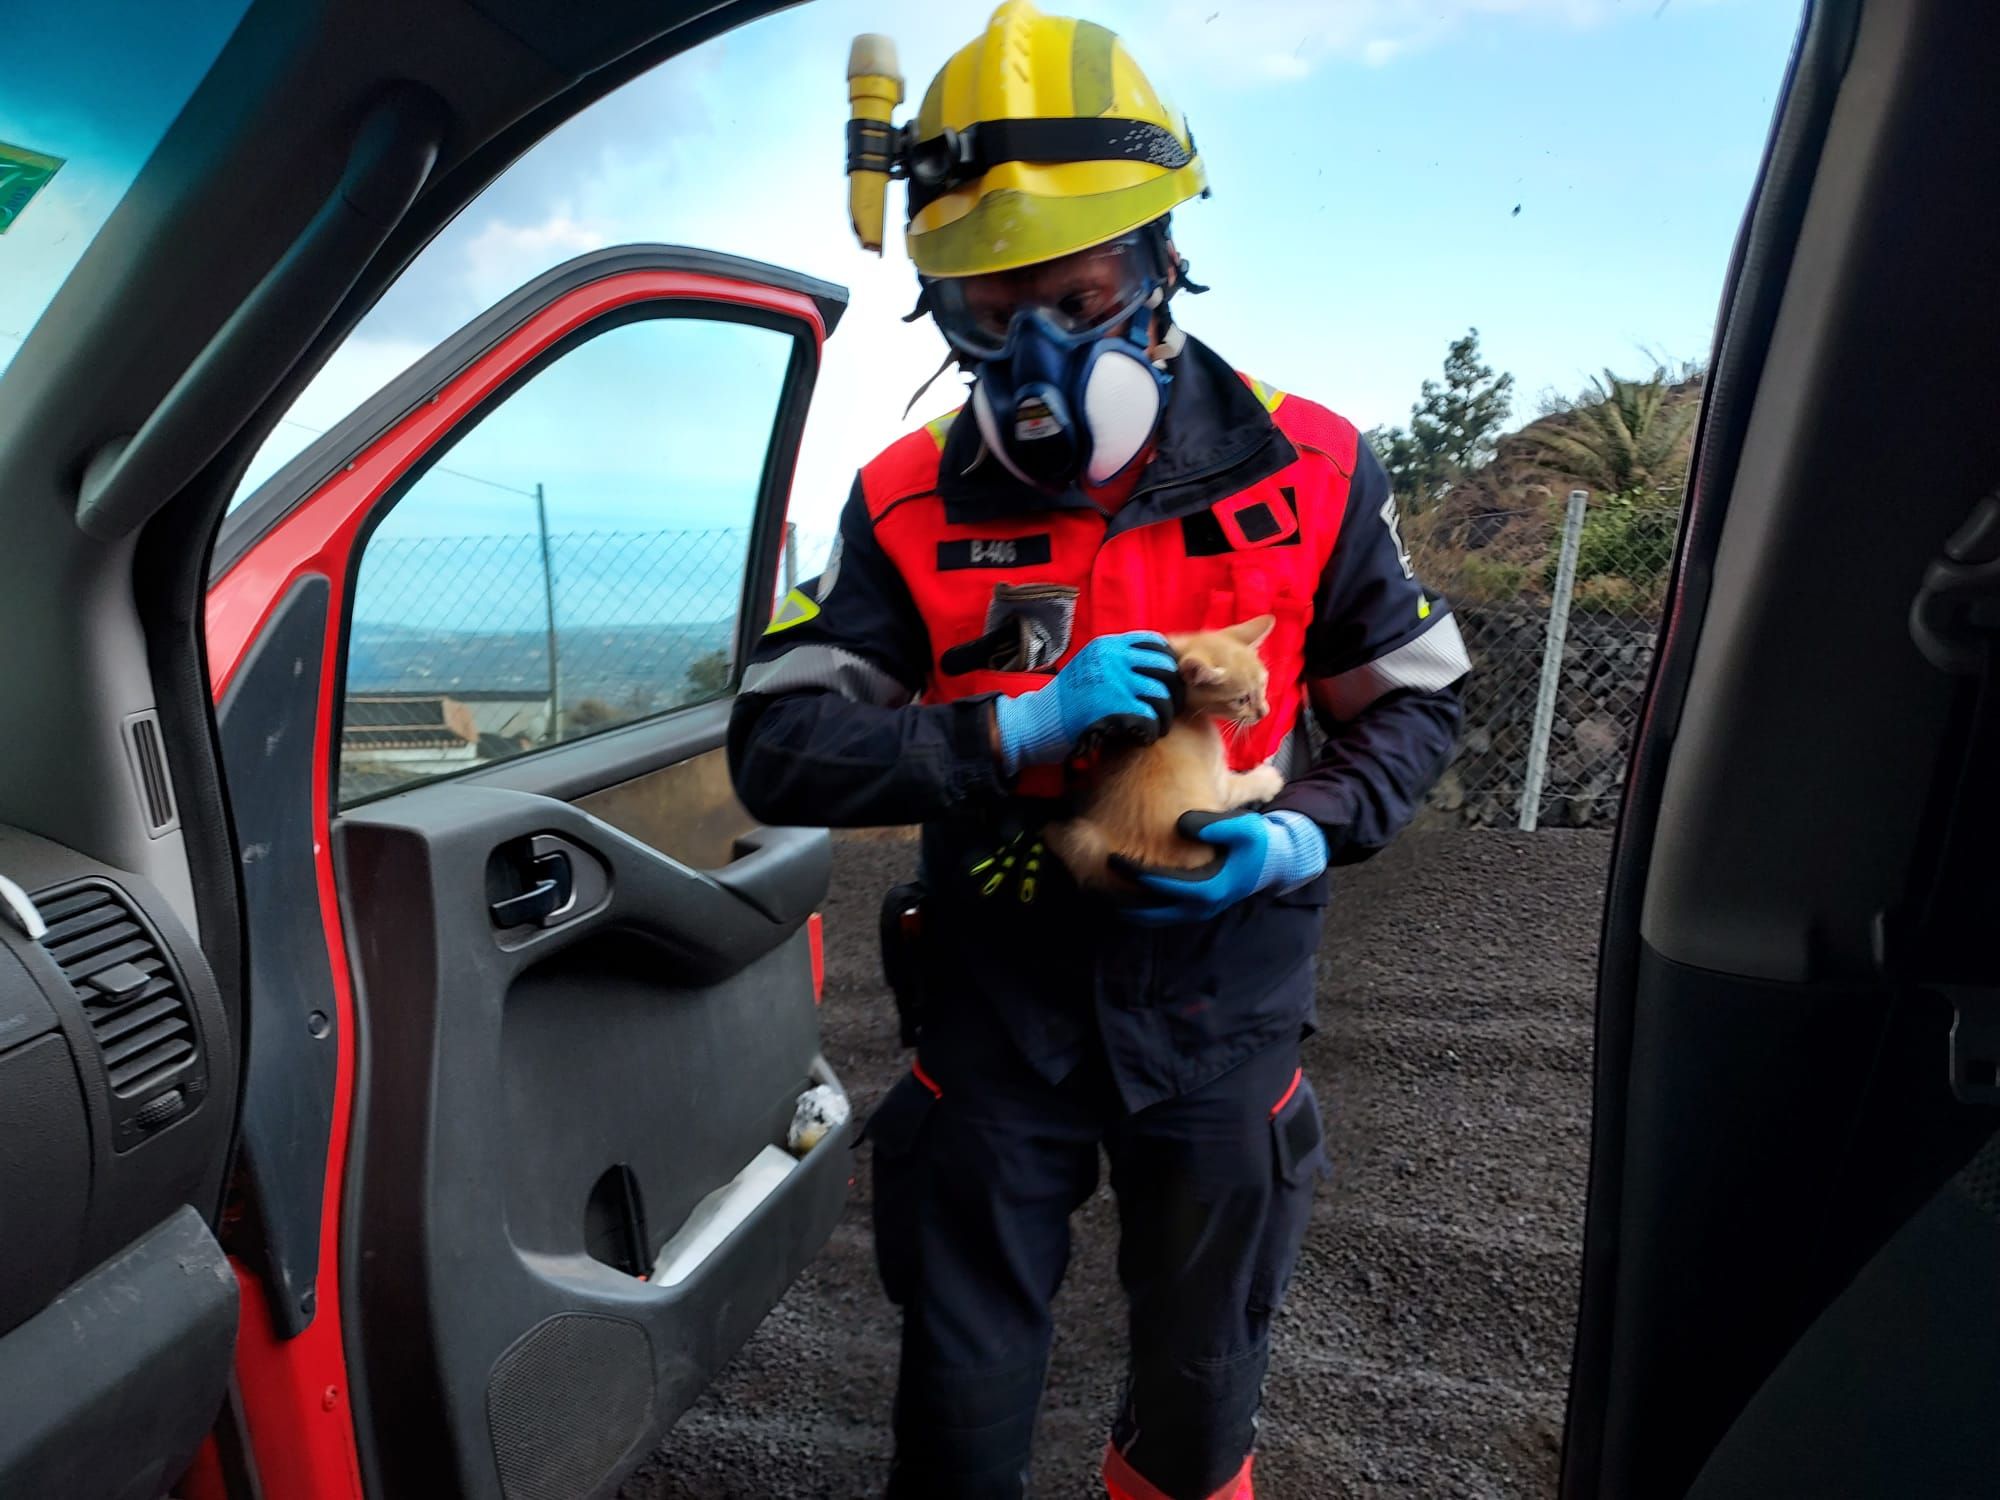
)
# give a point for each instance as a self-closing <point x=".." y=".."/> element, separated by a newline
<point x="501" y="256"/>
<point x="1248" y="42"/>
<point x="359" y="368"/>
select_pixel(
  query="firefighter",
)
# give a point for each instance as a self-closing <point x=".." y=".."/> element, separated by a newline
<point x="992" y="610"/>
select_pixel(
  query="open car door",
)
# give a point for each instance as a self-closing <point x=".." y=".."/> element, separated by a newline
<point x="1789" y="1278"/>
<point x="531" y="997"/>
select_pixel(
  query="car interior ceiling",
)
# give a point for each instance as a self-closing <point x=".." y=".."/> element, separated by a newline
<point x="1771" y="1105"/>
<point x="226" y="201"/>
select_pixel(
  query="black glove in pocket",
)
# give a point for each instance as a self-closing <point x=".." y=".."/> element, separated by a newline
<point x="1028" y="629"/>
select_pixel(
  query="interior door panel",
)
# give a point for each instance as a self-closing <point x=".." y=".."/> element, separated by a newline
<point x="688" y="810"/>
<point x="1770" y="1236"/>
<point x="563" y="999"/>
<point x="665" y="1032"/>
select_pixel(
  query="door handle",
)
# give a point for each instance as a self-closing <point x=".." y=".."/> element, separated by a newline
<point x="553" y="883"/>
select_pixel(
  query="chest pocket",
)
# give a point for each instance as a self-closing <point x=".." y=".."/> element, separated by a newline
<point x="1248" y="556"/>
<point x="1262" y="568"/>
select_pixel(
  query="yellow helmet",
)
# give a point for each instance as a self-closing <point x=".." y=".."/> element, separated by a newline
<point x="1039" y="138"/>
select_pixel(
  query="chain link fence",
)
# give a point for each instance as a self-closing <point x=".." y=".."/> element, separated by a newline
<point x="471" y="648"/>
<point x="1499" y="568"/>
<point x="1559" y="604"/>
<point x="467" y="649"/>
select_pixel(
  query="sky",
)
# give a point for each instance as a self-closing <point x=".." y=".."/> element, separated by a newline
<point x="1565" y="175"/>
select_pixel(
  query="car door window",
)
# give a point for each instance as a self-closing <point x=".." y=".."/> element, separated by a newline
<point x="574" y="561"/>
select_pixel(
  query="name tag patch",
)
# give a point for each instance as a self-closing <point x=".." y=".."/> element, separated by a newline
<point x="1001" y="552"/>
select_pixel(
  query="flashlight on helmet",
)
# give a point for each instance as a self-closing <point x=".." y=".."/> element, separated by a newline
<point x="874" y="89"/>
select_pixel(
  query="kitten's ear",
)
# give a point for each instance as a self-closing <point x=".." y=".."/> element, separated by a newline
<point x="1252" y="632"/>
<point x="1198" y="673"/>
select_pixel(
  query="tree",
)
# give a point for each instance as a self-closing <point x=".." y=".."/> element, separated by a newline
<point x="1453" y="427"/>
<point x="1459" y="422"/>
<point x="1403" y="459"/>
<point x="1622" y="437"/>
<point x="591" y="713"/>
<point x="708" y="676"/>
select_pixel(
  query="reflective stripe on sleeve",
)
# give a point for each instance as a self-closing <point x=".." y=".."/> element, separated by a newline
<point x="1432" y="661"/>
<point x="827" y="668"/>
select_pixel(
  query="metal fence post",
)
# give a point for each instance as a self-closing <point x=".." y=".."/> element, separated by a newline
<point x="791" y="556"/>
<point x="1552" y="657"/>
<point x="552" y="728"/>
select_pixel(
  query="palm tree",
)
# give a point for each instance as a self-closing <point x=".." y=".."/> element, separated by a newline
<point x="1622" y="436"/>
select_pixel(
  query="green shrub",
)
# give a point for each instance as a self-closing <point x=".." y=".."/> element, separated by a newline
<point x="1616" y="596"/>
<point x="1485" y="580"/>
<point x="1628" y="536"/>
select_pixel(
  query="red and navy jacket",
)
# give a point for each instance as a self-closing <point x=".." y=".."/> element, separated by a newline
<point x="866" y="704"/>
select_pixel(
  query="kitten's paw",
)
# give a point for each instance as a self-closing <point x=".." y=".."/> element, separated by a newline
<point x="1261" y="784"/>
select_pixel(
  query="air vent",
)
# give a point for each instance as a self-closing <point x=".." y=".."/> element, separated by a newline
<point x="132" y="997"/>
<point x="149" y="769"/>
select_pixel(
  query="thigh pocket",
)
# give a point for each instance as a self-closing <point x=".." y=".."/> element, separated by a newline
<point x="1298" y="1142"/>
<point x="899" y="1130"/>
<point x="1299" y="1160"/>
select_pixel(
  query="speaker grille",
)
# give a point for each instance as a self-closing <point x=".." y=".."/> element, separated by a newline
<point x="1979" y="1180"/>
<point x="149" y="767"/>
<point x="567" y="1403"/>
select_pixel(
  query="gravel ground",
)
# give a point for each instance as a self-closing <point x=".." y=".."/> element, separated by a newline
<point x="1424" y="1347"/>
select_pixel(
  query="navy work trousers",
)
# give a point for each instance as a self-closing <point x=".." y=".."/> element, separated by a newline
<point x="979" y="1163"/>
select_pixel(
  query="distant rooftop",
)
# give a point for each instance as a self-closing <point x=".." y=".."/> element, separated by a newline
<point x="405" y="721"/>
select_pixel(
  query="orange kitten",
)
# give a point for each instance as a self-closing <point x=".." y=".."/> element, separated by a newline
<point x="1139" y="792"/>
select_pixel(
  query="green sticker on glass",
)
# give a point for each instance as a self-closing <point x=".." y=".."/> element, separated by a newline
<point x="23" y="173"/>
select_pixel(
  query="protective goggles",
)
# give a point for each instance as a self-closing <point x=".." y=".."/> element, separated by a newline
<point x="1088" y="293"/>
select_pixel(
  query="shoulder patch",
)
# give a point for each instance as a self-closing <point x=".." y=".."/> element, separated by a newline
<point x="795" y="608"/>
<point x="1270" y="395"/>
<point x="908" y="466"/>
<point x="1310" y="425"/>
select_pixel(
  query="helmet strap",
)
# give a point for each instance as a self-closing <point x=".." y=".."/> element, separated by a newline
<point x="1170" y="260"/>
<point x="950" y="359"/>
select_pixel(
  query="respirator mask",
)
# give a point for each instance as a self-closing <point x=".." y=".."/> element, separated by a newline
<point x="1064" y="387"/>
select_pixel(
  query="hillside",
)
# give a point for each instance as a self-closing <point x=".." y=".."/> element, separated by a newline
<point x="1493" y="537"/>
<point x="618" y="664"/>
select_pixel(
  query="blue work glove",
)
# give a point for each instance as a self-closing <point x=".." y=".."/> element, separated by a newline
<point x="1118" y="684"/>
<point x="1277" y="851"/>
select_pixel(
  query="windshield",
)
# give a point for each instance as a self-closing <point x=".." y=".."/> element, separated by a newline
<point x="87" y="89"/>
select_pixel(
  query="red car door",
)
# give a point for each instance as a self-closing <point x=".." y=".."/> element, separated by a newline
<point x="531" y="997"/>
